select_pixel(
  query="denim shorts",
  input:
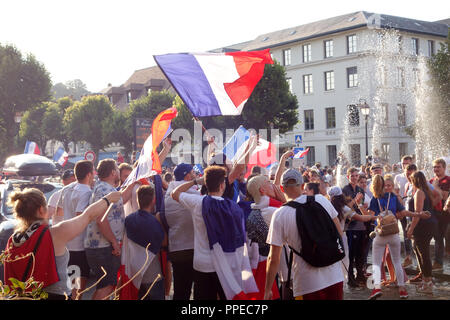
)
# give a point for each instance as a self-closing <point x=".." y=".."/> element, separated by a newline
<point x="103" y="257"/>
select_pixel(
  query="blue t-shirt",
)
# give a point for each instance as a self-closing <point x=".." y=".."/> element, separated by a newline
<point x="394" y="204"/>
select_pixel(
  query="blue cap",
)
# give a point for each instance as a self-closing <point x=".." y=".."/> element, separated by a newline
<point x="181" y="171"/>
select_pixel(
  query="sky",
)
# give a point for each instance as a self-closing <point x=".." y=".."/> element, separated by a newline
<point x="102" y="42"/>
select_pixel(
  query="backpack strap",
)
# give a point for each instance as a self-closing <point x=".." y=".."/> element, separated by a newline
<point x="38" y="242"/>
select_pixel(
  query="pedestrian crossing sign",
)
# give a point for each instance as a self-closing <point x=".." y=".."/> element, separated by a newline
<point x="298" y="138"/>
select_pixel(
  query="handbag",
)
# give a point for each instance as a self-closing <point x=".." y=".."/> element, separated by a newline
<point x="387" y="222"/>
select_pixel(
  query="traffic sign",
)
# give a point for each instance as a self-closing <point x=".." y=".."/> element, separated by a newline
<point x="89" y="155"/>
<point x="298" y="139"/>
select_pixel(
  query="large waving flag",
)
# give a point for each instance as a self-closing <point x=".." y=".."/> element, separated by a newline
<point x="148" y="163"/>
<point x="224" y="222"/>
<point x="31" y="147"/>
<point x="263" y="156"/>
<point x="61" y="156"/>
<point x="214" y="84"/>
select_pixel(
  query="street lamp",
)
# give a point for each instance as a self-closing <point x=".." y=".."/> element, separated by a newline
<point x="365" y="110"/>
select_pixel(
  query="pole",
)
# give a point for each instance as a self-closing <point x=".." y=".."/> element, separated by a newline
<point x="367" y="142"/>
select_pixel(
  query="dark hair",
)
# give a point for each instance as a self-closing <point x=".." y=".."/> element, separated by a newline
<point x="125" y="166"/>
<point x="214" y="177"/>
<point x="420" y="182"/>
<point x="411" y="167"/>
<point x="339" y="203"/>
<point x="145" y="195"/>
<point x="313" y="186"/>
<point x="256" y="170"/>
<point x="82" y="169"/>
<point x="168" y="177"/>
<point x="407" y="157"/>
<point x="105" y="167"/>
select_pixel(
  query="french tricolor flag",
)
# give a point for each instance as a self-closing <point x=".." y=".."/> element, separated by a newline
<point x="214" y="84"/>
<point x="301" y="154"/>
<point x="61" y="156"/>
<point x="263" y="156"/>
<point x="31" y="147"/>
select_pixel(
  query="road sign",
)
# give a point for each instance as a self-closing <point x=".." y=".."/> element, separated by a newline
<point x="89" y="155"/>
<point x="298" y="139"/>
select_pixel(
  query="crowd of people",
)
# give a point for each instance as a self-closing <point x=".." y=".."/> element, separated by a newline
<point x="204" y="230"/>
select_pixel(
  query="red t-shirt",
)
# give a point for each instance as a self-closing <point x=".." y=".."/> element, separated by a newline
<point x="444" y="185"/>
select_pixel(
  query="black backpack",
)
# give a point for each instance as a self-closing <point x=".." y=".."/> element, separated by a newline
<point x="321" y="242"/>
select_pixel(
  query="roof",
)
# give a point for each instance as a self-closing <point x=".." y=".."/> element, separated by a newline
<point x="142" y="76"/>
<point x="444" y="21"/>
<point x="342" y="23"/>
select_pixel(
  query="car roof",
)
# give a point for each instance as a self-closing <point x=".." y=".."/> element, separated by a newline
<point x="29" y="165"/>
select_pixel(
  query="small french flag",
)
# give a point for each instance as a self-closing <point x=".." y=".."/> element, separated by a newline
<point x="32" y="147"/>
<point x="300" y="154"/>
<point x="61" y="156"/>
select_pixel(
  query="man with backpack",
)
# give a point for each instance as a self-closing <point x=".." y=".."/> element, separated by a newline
<point x="309" y="225"/>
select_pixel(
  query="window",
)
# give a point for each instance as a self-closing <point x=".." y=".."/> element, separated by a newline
<point x="329" y="80"/>
<point x="355" y="154"/>
<point x="287" y="57"/>
<point x="289" y="81"/>
<point x="352" y="77"/>
<point x="351" y="44"/>
<point x="384" y="113"/>
<point x="385" y="147"/>
<point x="401" y="115"/>
<point x="309" y="119"/>
<point x="400" y="77"/>
<point x="328" y="48"/>
<point x="306" y="53"/>
<point x="430" y="48"/>
<point x="416" y="77"/>
<point x="415" y="46"/>
<point x="402" y="149"/>
<point x="311" y="156"/>
<point x="330" y="118"/>
<point x="400" y="44"/>
<point x="332" y="155"/>
<point x="129" y="96"/>
<point x="353" y="115"/>
<point x="307" y="83"/>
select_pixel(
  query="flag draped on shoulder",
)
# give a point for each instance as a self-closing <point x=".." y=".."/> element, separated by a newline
<point x="148" y="162"/>
<point x="214" y="84"/>
<point x="141" y="230"/>
<point x="224" y="221"/>
<point x="61" y="156"/>
<point x="31" y="147"/>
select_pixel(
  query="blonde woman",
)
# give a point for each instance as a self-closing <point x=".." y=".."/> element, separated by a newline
<point x="34" y="237"/>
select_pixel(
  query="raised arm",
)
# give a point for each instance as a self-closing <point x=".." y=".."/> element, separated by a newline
<point x="185" y="187"/>
<point x="282" y="166"/>
<point x="65" y="231"/>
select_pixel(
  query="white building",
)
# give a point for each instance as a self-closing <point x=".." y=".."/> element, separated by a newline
<point x="333" y="63"/>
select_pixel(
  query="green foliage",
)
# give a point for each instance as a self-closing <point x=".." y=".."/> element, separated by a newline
<point x="31" y="126"/>
<point x="73" y="88"/>
<point x="24" y="83"/>
<point x="117" y="128"/>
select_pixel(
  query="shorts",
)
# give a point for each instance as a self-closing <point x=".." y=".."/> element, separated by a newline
<point x="78" y="258"/>
<point x="103" y="257"/>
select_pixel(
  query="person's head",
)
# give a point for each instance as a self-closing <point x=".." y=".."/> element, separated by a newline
<point x="314" y="175"/>
<point x="330" y="171"/>
<point x="388" y="183"/>
<point x="29" y="206"/>
<point x="387" y="168"/>
<point x="184" y="171"/>
<point x="362" y="181"/>
<point x="272" y="172"/>
<point x="256" y="170"/>
<point x="259" y="186"/>
<point x="337" y="199"/>
<point x="168" y="177"/>
<point x="317" y="165"/>
<point x="419" y="181"/>
<point x="377" y="186"/>
<point x="215" y="179"/>
<point x="376" y="169"/>
<point x="368" y="174"/>
<point x="312" y="188"/>
<point x="108" y="171"/>
<point x="220" y="159"/>
<point x="439" y="167"/>
<point x="292" y="182"/>
<point x="133" y="156"/>
<point x="146" y="197"/>
<point x="410" y="169"/>
<point x="352" y="175"/>
<point x="125" y="170"/>
<point x="68" y="177"/>
<point x="84" y="172"/>
<point x="406" y="160"/>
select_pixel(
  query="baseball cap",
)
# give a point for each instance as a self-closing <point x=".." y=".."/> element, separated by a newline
<point x="182" y="170"/>
<point x="253" y="186"/>
<point x="291" y="174"/>
<point x="67" y="174"/>
<point x="334" y="191"/>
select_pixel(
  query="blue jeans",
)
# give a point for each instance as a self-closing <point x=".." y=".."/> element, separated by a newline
<point x="407" y="245"/>
<point x="356" y="241"/>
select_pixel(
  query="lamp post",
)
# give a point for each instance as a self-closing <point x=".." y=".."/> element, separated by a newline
<point x="365" y="110"/>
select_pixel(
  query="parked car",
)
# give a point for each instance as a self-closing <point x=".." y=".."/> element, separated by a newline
<point x="20" y="172"/>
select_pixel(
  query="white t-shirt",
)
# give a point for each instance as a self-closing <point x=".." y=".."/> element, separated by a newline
<point x="306" y="278"/>
<point x="202" y="253"/>
<point x="179" y="219"/>
<point x="400" y="181"/>
<point x="54" y="198"/>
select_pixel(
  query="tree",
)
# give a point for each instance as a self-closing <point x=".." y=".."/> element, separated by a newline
<point x="53" y="125"/>
<point x="73" y="88"/>
<point x="24" y="83"/>
<point x="31" y="126"/>
<point x="117" y="128"/>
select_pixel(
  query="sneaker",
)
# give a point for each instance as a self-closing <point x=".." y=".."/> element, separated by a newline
<point x="426" y="287"/>
<point x="407" y="262"/>
<point x="437" y="267"/>
<point x="416" y="280"/>
<point x="375" y="294"/>
<point x="403" y="294"/>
